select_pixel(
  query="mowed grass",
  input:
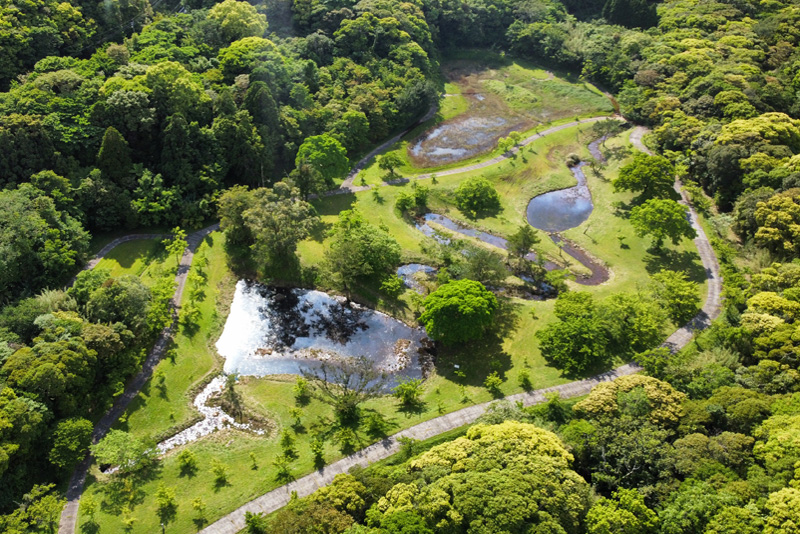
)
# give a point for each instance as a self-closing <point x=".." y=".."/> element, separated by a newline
<point x="156" y="411"/>
<point x="145" y="258"/>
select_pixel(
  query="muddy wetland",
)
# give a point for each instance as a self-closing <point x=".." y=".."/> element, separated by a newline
<point x="500" y="96"/>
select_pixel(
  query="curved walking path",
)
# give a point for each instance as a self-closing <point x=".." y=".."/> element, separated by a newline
<point x="277" y="498"/>
<point x="69" y="516"/>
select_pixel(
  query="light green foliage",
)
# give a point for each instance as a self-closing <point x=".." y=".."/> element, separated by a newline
<point x="458" y="311"/>
<point x="693" y="506"/>
<point x="778" y="222"/>
<point x="408" y="391"/>
<point x="662" y="219"/>
<point x="653" y="176"/>
<point x="177" y="244"/>
<point x="121" y="449"/>
<point x="166" y="504"/>
<point x="784" y="512"/>
<point x="624" y="513"/>
<point x="187" y="462"/>
<point x="237" y="20"/>
<point x="476" y="197"/>
<point x="661" y="403"/>
<point x="677" y="294"/>
<point x="736" y="520"/>
<point x="345" y="493"/>
<point x="392" y="285"/>
<point x="326" y="155"/>
<point x="493" y="383"/>
<point x="778" y="442"/>
<point x="521" y="241"/>
<point x="487" y="479"/>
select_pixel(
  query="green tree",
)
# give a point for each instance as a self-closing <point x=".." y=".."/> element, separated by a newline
<point x="624" y="513"/>
<point x="71" y="441"/>
<point x="662" y="219"/>
<point x="187" y="463"/>
<point x="325" y="154"/>
<point x="476" y="196"/>
<point x="653" y="176"/>
<point x="458" y="311"/>
<point x="307" y="179"/>
<point x="783" y="507"/>
<point x="125" y="299"/>
<point x="778" y="222"/>
<point x="389" y="162"/>
<point x="166" y="504"/>
<point x="578" y="341"/>
<point x="237" y="20"/>
<point x="677" y="294"/>
<point x="359" y="250"/>
<point x="176" y="244"/>
<point x="521" y="241"/>
<point x="409" y="392"/>
<point x="129" y="453"/>
<point x="346" y="384"/>
<point x="114" y="158"/>
<point x="278" y="220"/>
<point x="485" y="266"/>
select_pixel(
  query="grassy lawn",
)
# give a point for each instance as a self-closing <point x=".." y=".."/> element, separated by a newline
<point x="145" y="258"/>
<point x="156" y="412"/>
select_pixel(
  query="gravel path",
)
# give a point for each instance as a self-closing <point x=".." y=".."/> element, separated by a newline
<point x="69" y="516"/>
<point x="276" y="499"/>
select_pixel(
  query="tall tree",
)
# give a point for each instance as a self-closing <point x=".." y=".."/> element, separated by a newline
<point x="458" y="311"/>
<point x="662" y="219"/>
<point x="326" y="155"/>
<point x="653" y="176"/>
<point x="114" y="158"/>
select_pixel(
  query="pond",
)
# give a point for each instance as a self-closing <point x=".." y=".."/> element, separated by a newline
<point x="561" y="210"/>
<point x="281" y="330"/>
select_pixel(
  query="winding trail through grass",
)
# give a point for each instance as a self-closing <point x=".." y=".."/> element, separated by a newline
<point x="277" y="498"/>
<point x="69" y="516"/>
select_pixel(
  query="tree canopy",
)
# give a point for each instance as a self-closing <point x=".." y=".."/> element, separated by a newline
<point x="458" y="311"/>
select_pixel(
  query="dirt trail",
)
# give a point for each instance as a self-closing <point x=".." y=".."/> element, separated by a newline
<point x="276" y="499"/>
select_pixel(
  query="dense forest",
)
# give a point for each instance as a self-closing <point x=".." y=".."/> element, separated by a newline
<point x="122" y="115"/>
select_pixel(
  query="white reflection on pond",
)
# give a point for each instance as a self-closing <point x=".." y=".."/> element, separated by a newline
<point x="278" y="330"/>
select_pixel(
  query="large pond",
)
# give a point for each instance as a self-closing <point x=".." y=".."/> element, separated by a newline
<point x="561" y="210"/>
<point x="278" y="330"/>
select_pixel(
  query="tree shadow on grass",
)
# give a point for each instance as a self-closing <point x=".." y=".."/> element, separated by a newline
<point x="333" y="204"/>
<point x="479" y="358"/>
<point x="684" y="261"/>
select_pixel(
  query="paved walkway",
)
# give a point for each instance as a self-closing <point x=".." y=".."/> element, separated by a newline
<point x="69" y="516"/>
<point x="278" y="498"/>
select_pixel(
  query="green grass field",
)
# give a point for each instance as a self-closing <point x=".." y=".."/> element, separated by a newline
<point x="145" y="258"/>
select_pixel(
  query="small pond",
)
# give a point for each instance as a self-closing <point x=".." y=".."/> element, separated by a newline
<point x="278" y="330"/>
<point x="561" y="210"/>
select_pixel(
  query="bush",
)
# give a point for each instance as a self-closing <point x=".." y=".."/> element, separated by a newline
<point x="493" y="383"/>
<point x="392" y="286"/>
<point x="477" y="196"/>
<point x="458" y="311"/>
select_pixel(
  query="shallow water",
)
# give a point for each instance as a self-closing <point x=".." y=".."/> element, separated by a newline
<point x="407" y="272"/>
<point x="213" y="419"/>
<point x="460" y="138"/>
<point x="561" y="210"/>
<point x="277" y="330"/>
<point x="453" y="226"/>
